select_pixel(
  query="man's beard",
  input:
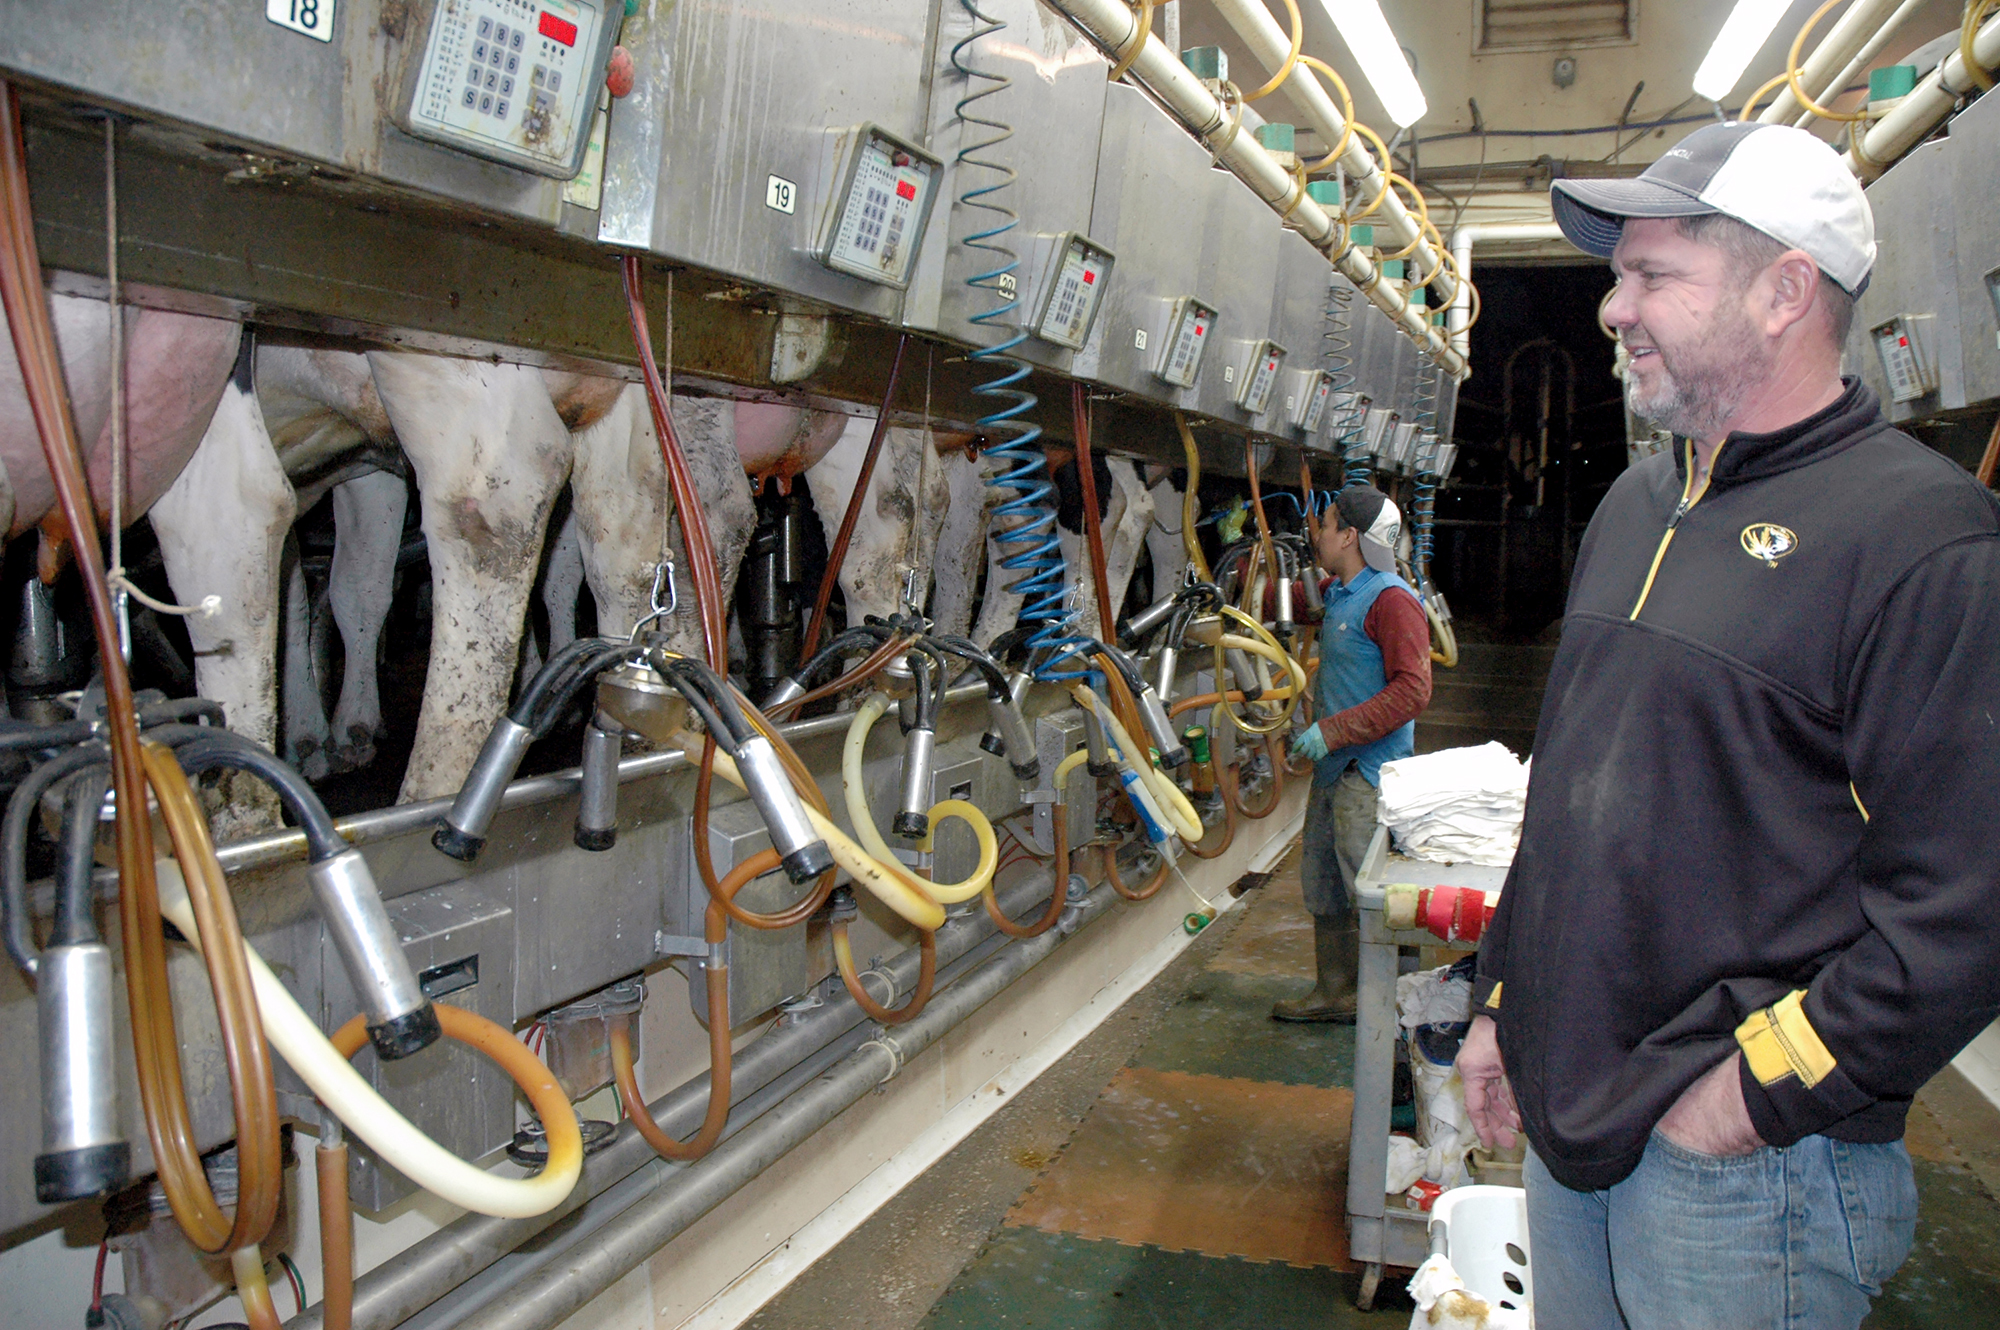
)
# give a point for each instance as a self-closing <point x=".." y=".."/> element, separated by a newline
<point x="1704" y="380"/>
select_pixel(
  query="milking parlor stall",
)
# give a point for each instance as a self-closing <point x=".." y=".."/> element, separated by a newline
<point x="619" y="608"/>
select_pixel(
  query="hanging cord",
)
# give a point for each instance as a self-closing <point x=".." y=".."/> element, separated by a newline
<point x="154" y="1043"/>
<point x="1190" y="499"/>
<point x="121" y="586"/>
<point x="1093" y="524"/>
<point x="117" y="313"/>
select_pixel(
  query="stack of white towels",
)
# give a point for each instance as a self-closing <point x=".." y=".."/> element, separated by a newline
<point x="1456" y="806"/>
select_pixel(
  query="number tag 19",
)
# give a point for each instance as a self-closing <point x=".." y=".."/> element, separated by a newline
<point x="312" y="17"/>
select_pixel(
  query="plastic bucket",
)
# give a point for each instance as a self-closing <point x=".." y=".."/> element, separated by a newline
<point x="1483" y="1232"/>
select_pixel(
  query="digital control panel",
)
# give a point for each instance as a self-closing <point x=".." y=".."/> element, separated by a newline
<point x="1079" y="272"/>
<point x="1188" y="330"/>
<point x="511" y="80"/>
<point x="1904" y="362"/>
<point x="1305" y="406"/>
<point x="1425" y="460"/>
<point x="1350" y="412"/>
<point x="1378" y="432"/>
<point x="1402" y="448"/>
<point x="884" y="203"/>
<point x="1260" y="377"/>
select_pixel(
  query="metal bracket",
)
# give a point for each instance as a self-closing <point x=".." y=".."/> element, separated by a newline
<point x="887" y="1043"/>
<point x="663" y="583"/>
<point x="676" y="944"/>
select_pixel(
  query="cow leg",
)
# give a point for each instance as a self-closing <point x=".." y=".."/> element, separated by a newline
<point x="933" y="500"/>
<point x="1163" y="538"/>
<point x="1130" y="518"/>
<point x="889" y="541"/>
<point x="619" y="488"/>
<point x="961" y="544"/>
<point x="221" y="527"/>
<point x="303" y="682"/>
<point x="618" y="509"/>
<point x="1001" y="607"/>
<point x="367" y="532"/>
<point x="561" y="585"/>
<point x="490" y="454"/>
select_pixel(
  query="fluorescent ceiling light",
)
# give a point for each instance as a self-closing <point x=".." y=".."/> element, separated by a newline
<point x="1375" y="48"/>
<point x="1743" y="34"/>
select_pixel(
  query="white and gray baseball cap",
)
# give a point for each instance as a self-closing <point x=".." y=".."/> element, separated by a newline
<point x="1371" y="512"/>
<point x="1782" y="181"/>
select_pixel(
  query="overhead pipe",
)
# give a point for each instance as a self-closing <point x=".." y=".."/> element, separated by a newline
<point x="1459" y="315"/>
<point x="1919" y="113"/>
<point x="1273" y="46"/>
<point x="1113" y="27"/>
<point x="1862" y="59"/>
<point x="1849" y="33"/>
<point x="422" y="1274"/>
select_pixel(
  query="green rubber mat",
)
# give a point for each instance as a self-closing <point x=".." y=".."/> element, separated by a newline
<point x="1222" y="1026"/>
<point x="1028" y="1278"/>
<point x="1952" y="1278"/>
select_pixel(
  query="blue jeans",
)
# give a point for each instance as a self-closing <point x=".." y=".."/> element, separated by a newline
<point x="1799" y="1238"/>
<point x="1340" y="823"/>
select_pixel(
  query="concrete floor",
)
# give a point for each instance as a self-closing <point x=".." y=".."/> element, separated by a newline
<point x="1186" y="1165"/>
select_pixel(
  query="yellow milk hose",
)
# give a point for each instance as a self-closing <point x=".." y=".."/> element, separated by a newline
<point x="1179" y="814"/>
<point x="329" y="1075"/>
<point x="893" y="888"/>
<point x="870" y="836"/>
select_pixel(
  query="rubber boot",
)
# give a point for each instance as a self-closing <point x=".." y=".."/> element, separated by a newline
<point x="1337" y="956"/>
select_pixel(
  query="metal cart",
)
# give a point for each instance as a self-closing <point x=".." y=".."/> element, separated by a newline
<point x="1381" y="1230"/>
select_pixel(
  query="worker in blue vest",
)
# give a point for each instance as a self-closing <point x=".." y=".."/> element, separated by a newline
<point x="1374" y="677"/>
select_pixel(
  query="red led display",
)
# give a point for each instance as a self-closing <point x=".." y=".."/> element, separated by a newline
<point x="557" y="29"/>
<point x="905" y="190"/>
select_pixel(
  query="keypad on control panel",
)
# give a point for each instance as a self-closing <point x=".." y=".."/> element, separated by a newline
<point x="496" y="59"/>
<point x="502" y="71"/>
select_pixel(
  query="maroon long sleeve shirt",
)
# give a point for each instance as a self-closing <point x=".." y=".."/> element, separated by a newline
<point x="1395" y="623"/>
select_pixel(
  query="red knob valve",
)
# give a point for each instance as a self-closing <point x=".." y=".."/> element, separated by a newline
<point x="619" y="74"/>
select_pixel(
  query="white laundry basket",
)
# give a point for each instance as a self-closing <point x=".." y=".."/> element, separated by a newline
<point x="1483" y="1231"/>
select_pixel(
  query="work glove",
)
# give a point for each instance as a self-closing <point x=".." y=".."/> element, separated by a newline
<point x="1310" y="743"/>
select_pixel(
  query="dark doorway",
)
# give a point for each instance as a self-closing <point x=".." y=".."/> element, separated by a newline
<point x="1541" y="436"/>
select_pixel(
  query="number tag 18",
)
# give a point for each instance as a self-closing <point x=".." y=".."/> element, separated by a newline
<point x="312" y="17"/>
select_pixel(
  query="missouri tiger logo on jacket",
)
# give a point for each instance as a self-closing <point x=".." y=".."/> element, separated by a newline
<point x="1768" y="541"/>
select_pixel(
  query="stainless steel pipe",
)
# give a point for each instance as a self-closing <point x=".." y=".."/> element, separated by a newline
<point x="418" y="1276"/>
<point x="576" y="1271"/>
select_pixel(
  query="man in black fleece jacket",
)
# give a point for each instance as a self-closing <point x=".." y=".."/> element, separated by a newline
<point x="1753" y="907"/>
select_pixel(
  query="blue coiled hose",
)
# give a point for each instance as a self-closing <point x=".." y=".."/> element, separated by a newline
<point x="1337" y="349"/>
<point x="1054" y="651"/>
<point x="1423" y="502"/>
